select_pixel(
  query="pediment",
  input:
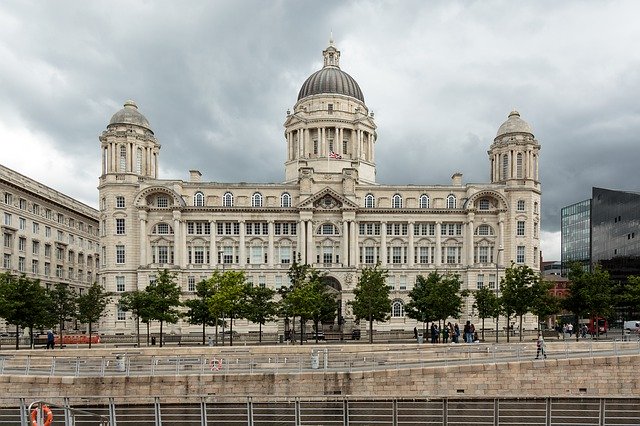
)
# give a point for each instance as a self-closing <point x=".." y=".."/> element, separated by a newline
<point x="328" y="199"/>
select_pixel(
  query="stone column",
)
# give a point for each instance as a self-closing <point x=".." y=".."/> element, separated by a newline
<point x="270" y="252"/>
<point x="411" y="244"/>
<point x="309" y="242"/>
<point x="438" y="244"/>
<point x="243" y="248"/>
<point x="501" y="239"/>
<point x="142" y="215"/>
<point x="383" y="244"/>
<point x="470" y="241"/>
<point x="302" y="232"/>
<point x="354" y="244"/>
<point x="178" y="249"/>
<point x="213" y="247"/>
<point x="345" y="242"/>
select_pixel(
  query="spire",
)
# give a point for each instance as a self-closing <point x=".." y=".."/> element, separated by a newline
<point x="331" y="54"/>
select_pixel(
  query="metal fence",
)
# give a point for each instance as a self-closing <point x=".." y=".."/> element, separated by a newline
<point x="335" y="359"/>
<point x="352" y="411"/>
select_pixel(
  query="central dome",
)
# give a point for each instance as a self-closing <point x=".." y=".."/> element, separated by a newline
<point x="331" y="79"/>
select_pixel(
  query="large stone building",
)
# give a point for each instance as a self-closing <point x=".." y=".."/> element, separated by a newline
<point x="47" y="235"/>
<point x="329" y="212"/>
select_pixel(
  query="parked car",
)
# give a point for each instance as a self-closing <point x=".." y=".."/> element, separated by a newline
<point x="633" y="326"/>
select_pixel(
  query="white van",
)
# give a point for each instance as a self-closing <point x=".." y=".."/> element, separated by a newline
<point x="632" y="326"/>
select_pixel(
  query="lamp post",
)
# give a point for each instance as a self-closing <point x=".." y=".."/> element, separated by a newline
<point x="221" y="260"/>
<point x="500" y="249"/>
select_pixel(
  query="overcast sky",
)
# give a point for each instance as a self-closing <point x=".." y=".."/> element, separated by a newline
<point x="216" y="78"/>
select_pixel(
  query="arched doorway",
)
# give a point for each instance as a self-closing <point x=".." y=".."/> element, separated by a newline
<point x="335" y="288"/>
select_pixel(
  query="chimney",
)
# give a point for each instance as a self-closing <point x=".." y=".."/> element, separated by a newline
<point x="456" y="179"/>
<point x="195" y="176"/>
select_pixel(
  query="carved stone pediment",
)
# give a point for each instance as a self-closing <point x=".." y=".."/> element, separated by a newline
<point x="327" y="199"/>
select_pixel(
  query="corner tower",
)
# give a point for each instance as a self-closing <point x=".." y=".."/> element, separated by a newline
<point x="331" y="128"/>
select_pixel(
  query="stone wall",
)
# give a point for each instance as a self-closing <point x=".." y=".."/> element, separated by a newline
<point x="598" y="376"/>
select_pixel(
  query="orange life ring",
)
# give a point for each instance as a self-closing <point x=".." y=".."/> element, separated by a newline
<point x="46" y="412"/>
<point x="215" y="364"/>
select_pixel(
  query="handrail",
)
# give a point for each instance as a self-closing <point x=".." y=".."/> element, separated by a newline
<point x="69" y="413"/>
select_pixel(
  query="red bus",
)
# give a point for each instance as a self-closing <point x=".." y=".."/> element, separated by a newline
<point x="597" y="325"/>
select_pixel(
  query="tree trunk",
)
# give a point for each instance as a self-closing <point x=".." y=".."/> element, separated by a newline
<point x="148" y="333"/>
<point x="30" y="337"/>
<point x="231" y="330"/>
<point x="60" y="333"/>
<point x="520" y="328"/>
<point x="260" y="333"/>
<point x="370" y="330"/>
<point x="138" y="330"/>
<point x="508" y="321"/>
<point x="90" y="334"/>
<point x="483" y="329"/>
<point x="204" y="331"/>
<point x="17" y="338"/>
<point x="161" y="322"/>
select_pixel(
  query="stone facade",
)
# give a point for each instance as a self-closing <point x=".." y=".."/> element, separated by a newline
<point x="47" y="235"/>
<point x="329" y="212"/>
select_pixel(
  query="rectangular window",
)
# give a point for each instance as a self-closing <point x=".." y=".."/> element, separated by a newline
<point x="59" y="271"/>
<point x="163" y="202"/>
<point x="6" y="263"/>
<point x="22" y="223"/>
<point x="22" y="244"/>
<point x="278" y="281"/>
<point x="191" y="283"/>
<point x="121" y="314"/>
<point x="492" y="281"/>
<point x="47" y="269"/>
<point x="480" y="281"/>
<point x="47" y="250"/>
<point x="256" y="255"/>
<point x="483" y="254"/>
<point x="21" y="264"/>
<point x="345" y="147"/>
<point x="403" y="282"/>
<point x="369" y="255"/>
<point x="7" y="219"/>
<point x="23" y="204"/>
<point x="396" y="255"/>
<point x="35" y="248"/>
<point x="120" y="254"/>
<point x="315" y="147"/>
<point x="520" y="254"/>
<point x="60" y="253"/>
<point x="8" y="198"/>
<point x="262" y="281"/>
<point x="60" y="218"/>
<point x="7" y="240"/>
<point x="36" y="227"/>
<point x="120" y="202"/>
<point x="520" y="228"/>
<point x="120" y="226"/>
<point x="47" y="231"/>
<point x="285" y="254"/>
<point x="47" y="214"/>
<point x="120" y="287"/>
<point x="60" y="235"/>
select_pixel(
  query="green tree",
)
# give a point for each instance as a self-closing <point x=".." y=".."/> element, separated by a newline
<point x="139" y="304"/>
<point x="164" y="296"/>
<point x="371" y="297"/>
<point x="91" y="306"/>
<point x="516" y="292"/>
<point x="63" y="306"/>
<point x="486" y="302"/>
<point x="420" y="306"/>
<point x="323" y="304"/>
<point x="543" y="302"/>
<point x="230" y="298"/>
<point x="198" y="309"/>
<point x="25" y="303"/>
<point x="631" y="293"/>
<point x="261" y="307"/>
<point x="589" y="293"/>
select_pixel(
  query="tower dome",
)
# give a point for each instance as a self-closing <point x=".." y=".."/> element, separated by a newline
<point x="130" y="115"/>
<point x="514" y="124"/>
<point x="331" y="79"/>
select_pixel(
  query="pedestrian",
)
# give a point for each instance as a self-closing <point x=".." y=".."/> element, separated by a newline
<point x="456" y="333"/>
<point x="468" y="335"/>
<point x="415" y="333"/>
<point x="434" y="333"/>
<point x="445" y="334"/>
<point x="570" y="329"/>
<point x="540" y="347"/>
<point x="50" y="339"/>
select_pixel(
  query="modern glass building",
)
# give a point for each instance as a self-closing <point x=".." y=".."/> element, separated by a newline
<point x="576" y="234"/>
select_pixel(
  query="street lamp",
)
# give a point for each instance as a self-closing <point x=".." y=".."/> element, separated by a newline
<point x="221" y="260"/>
<point x="500" y="249"/>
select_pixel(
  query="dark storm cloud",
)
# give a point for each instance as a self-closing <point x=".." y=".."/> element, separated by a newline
<point x="215" y="80"/>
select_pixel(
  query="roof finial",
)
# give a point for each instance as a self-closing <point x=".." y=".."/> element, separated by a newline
<point x="331" y="38"/>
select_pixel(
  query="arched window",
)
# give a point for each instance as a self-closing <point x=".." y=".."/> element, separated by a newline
<point x="227" y="200"/>
<point x="285" y="200"/>
<point x="123" y="158"/>
<point x="327" y="229"/>
<point x="451" y="201"/>
<point x="162" y="201"/>
<point x="256" y="200"/>
<point x="139" y="161"/>
<point x="396" y="201"/>
<point x="369" y="201"/>
<point x="505" y="166"/>
<point x="484" y="204"/>
<point x="484" y="230"/>
<point x="198" y="199"/>
<point x="424" y="201"/>
<point x="520" y="205"/>
<point x="519" y="165"/>
<point x="535" y="207"/>
<point x="162" y="229"/>
<point x="398" y="309"/>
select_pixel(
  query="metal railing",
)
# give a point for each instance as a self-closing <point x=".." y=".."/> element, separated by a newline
<point x="43" y="413"/>
<point x="342" y="410"/>
<point x="314" y="358"/>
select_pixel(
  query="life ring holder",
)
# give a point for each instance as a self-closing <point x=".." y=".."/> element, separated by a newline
<point x="215" y="364"/>
<point x="46" y="412"/>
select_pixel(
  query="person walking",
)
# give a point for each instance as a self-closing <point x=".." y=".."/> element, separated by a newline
<point x="468" y="334"/>
<point x="415" y="333"/>
<point x="540" y="347"/>
<point x="50" y="339"/>
<point x="456" y="333"/>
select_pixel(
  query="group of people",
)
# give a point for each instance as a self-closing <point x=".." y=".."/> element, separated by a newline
<point x="450" y="331"/>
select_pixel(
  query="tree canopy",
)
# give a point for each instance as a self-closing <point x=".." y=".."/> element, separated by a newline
<point x="91" y="306"/>
<point x="371" y="297"/>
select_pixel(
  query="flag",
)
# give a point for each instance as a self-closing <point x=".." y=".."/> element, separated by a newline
<point x="335" y="155"/>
